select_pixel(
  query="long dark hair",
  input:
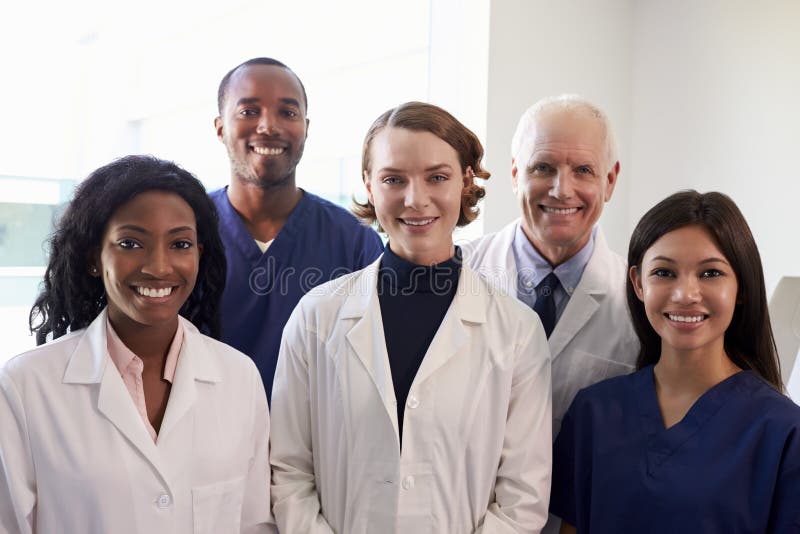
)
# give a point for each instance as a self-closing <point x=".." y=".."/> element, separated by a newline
<point x="748" y="340"/>
<point x="70" y="298"/>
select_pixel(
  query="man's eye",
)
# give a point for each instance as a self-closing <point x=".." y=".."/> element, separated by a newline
<point x="584" y="169"/>
<point x="539" y="168"/>
<point x="248" y="112"/>
<point x="438" y="178"/>
<point x="290" y="113"/>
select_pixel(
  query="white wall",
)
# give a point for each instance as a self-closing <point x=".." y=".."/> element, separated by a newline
<point x="715" y="107"/>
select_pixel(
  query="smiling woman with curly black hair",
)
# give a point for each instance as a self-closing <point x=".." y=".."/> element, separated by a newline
<point x="131" y="420"/>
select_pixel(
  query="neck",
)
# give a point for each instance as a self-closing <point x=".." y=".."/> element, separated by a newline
<point x="150" y="343"/>
<point x="693" y="371"/>
<point x="424" y="257"/>
<point x="264" y="210"/>
<point x="555" y="254"/>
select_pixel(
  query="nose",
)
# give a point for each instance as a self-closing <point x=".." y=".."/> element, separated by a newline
<point x="686" y="290"/>
<point x="563" y="186"/>
<point x="266" y="124"/>
<point x="157" y="263"/>
<point x="416" y="196"/>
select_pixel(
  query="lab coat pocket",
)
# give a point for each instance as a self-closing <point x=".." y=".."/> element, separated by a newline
<point x="218" y="507"/>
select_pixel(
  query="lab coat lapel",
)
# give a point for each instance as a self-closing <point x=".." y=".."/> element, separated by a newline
<point x="183" y="393"/>
<point x="585" y="300"/>
<point x="90" y="364"/>
<point x="367" y="338"/>
<point x="469" y="305"/>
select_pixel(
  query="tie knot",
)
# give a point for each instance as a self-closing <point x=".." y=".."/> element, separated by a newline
<point x="547" y="285"/>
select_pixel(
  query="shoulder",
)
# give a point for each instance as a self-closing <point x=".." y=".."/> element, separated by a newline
<point x="330" y="217"/>
<point x="228" y="360"/>
<point x="774" y="407"/>
<point x="217" y="196"/>
<point x="45" y="361"/>
<point x="477" y="249"/>
<point x="610" y="393"/>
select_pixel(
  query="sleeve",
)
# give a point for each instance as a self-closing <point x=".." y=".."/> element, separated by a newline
<point x="295" y="500"/>
<point x="17" y="476"/>
<point x="522" y="487"/>
<point x="785" y="513"/>
<point x="256" y="517"/>
<point x="564" y="491"/>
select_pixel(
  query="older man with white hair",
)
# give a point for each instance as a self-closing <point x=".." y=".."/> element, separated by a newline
<point x="554" y="257"/>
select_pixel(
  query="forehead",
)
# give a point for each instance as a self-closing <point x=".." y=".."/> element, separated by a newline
<point x="265" y="82"/>
<point x="404" y="148"/>
<point x="686" y="244"/>
<point x="565" y="130"/>
<point x="154" y="209"/>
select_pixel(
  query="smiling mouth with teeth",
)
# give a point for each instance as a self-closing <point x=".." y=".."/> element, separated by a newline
<point x="153" y="292"/>
<point x="559" y="211"/>
<point x="685" y="318"/>
<point x="268" y="151"/>
<point x="418" y="222"/>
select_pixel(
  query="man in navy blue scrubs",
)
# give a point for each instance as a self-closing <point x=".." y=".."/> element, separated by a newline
<point x="280" y="241"/>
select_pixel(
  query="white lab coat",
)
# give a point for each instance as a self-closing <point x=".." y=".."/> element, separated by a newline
<point x="75" y="456"/>
<point x="476" y="454"/>
<point x="594" y="338"/>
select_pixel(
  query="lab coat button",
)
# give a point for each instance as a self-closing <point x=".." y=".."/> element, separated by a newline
<point x="408" y="482"/>
<point x="413" y="402"/>
<point x="164" y="501"/>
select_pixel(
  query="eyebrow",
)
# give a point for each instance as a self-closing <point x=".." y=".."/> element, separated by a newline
<point x="439" y="167"/>
<point x="139" y="229"/>
<point x="712" y="259"/>
<point x="253" y="100"/>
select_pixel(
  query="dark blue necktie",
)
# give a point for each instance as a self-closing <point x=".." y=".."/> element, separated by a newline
<point x="545" y="304"/>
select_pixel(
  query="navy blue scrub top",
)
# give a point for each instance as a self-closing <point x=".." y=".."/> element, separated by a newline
<point x="319" y="241"/>
<point x="731" y="465"/>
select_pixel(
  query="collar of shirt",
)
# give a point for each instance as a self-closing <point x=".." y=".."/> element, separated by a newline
<point x="397" y="273"/>
<point x="122" y="356"/>
<point x="532" y="267"/>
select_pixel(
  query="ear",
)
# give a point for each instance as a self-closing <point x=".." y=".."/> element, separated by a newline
<point x="199" y="249"/>
<point x="469" y="177"/>
<point x="308" y="124"/>
<point x="218" y="127"/>
<point x="368" y="185"/>
<point x="93" y="265"/>
<point x="611" y="178"/>
<point x="636" y="280"/>
<point x="514" y="175"/>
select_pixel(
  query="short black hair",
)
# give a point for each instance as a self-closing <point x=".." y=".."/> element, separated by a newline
<point x="223" y="85"/>
<point x="71" y="298"/>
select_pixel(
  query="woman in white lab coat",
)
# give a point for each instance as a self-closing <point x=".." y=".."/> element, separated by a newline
<point x="131" y="420"/>
<point x="411" y="396"/>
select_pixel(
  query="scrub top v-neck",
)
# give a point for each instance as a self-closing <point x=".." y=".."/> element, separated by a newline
<point x="731" y="465"/>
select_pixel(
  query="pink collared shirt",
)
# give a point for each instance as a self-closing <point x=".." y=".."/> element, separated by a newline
<point x="130" y="367"/>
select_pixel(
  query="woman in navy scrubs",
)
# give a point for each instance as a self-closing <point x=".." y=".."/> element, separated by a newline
<point x="700" y="439"/>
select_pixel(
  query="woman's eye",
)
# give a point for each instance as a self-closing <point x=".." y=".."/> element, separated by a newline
<point x="662" y="273"/>
<point x="128" y="244"/>
<point x="711" y="273"/>
<point x="391" y="180"/>
<point x="183" y="244"/>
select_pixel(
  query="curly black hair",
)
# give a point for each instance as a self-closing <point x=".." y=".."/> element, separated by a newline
<point x="71" y="298"/>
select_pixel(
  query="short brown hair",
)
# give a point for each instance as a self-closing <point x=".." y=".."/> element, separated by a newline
<point x="422" y="117"/>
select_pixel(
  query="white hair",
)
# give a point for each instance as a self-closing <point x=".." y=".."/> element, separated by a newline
<point x="565" y="102"/>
